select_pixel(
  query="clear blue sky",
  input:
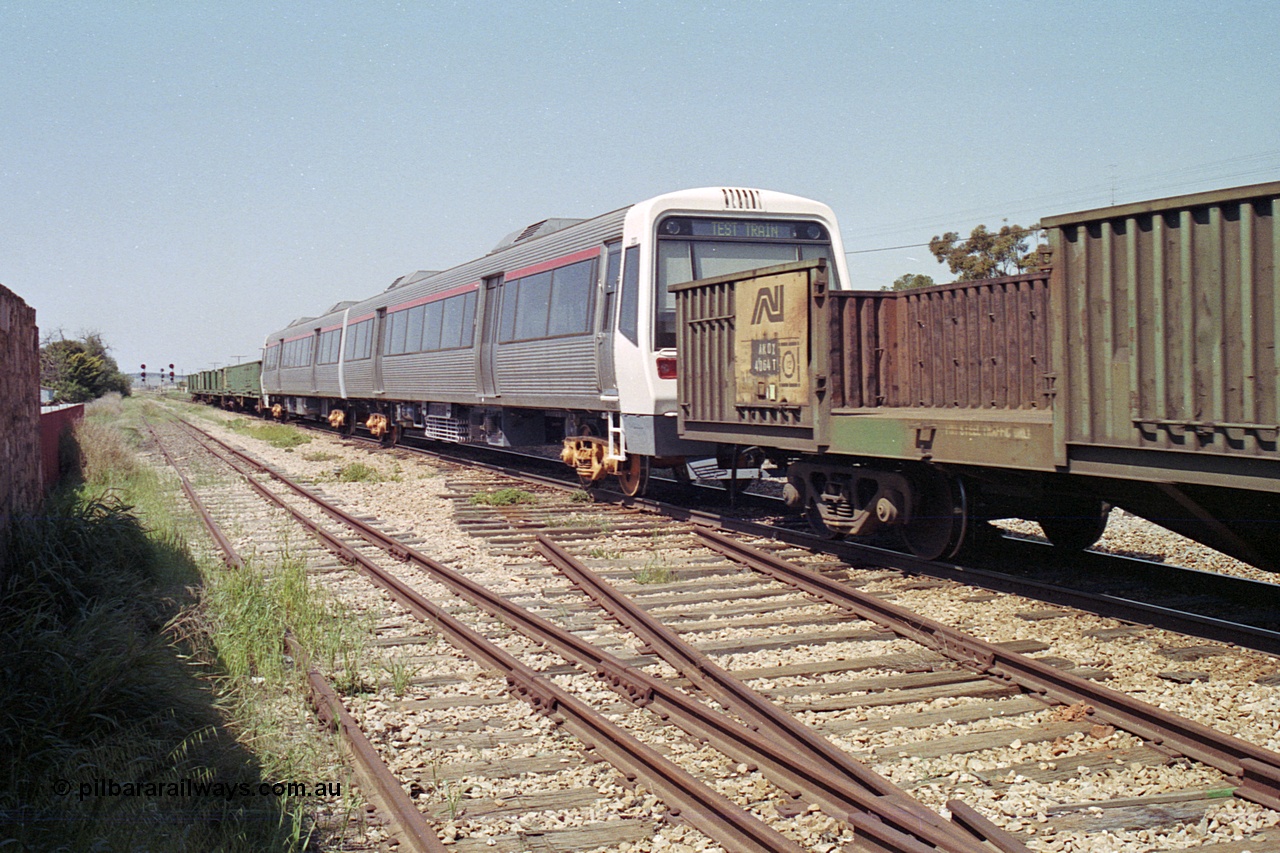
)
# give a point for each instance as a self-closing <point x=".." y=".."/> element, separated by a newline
<point x="186" y="177"/>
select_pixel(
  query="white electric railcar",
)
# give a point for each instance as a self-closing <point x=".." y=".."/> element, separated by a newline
<point x="563" y="334"/>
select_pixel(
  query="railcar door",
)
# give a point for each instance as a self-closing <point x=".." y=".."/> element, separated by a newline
<point x="489" y="313"/>
<point x="379" y="329"/>
<point x="315" y="357"/>
<point x="604" y="323"/>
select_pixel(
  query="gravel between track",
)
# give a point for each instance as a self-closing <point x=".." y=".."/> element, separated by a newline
<point x="1231" y="699"/>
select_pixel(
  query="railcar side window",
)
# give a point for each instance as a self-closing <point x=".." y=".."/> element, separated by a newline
<point x="468" y="319"/>
<point x="413" y="338"/>
<point x="395" y="335"/>
<point x="431" y="326"/>
<point x="613" y="266"/>
<point x="535" y="300"/>
<point x="271" y="358"/>
<point x="571" y="299"/>
<point x="297" y="353"/>
<point x="360" y="340"/>
<point x="510" y="295"/>
<point x="549" y="304"/>
<point x="328" y="353"/>
<point x="442" y="324"/>
<point x="451" y="325"/>
<point x="628" y="315"/>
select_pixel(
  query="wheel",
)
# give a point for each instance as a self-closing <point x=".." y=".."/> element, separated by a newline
<point x="1076" y="523"/>
<point x="818" y="524"/>
<point x="939" y="518"/>
<point x="392" y="436"/>
<point x="633" y="477"/>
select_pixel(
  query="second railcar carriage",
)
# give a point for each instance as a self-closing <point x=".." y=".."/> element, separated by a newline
<point x="564" y="333"/>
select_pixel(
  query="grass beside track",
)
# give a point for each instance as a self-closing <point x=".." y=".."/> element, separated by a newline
<point x="134" y="674"/>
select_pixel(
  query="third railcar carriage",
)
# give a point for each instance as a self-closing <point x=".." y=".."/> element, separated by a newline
<point x="1138" y="368"/>
<point x="564" y="333"/>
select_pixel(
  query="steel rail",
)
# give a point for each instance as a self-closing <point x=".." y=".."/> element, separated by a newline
<point x="1257" y="768"/>
<point x="1104" y="604"/>
<point x="1247" y="636"/>
<point x="807" y="750"/>
<point x="410" y="824"/>
<point x="704" y="808"/>
<point x="376" y="774"/>
<point x="229" y="554"/>
<point x="895" y="824"/>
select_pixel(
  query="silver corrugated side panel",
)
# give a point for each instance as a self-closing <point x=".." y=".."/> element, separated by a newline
<point x="326" y="384"/>
<point x="359" y="378"/>
<point x="294" y="380"/>
<point x="1169" y="321"/>
<point x="444" y="376"/>
<point x="558" y="372"/>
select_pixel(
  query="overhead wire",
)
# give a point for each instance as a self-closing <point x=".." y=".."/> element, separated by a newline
<point x="1243" y="166"/>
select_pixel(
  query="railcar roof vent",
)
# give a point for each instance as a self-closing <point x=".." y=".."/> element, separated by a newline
<point x="301" y="320"/>
<point x="537" y="229"/>
<point x="340" y="306"/>
<point x="736" y="199"/>
<point x="411" y="278"/>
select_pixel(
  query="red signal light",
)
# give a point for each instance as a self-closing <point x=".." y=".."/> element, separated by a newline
<point x="666" y="368"/>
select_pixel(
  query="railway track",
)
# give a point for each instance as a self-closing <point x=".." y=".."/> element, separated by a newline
<point x="872" y="694"/>
<point x="1236" y="609"/>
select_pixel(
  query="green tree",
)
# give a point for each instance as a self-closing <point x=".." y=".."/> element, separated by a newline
<point x="911" y="280"/>
<point x="986" y="254"/>
<point x="80" y="370"/>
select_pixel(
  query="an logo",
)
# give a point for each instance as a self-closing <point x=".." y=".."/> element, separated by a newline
<point x="768" y="305"/>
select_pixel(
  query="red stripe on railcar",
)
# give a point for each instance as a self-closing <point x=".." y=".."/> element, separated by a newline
<point x="435" y="297"/>
<point x="556" y="263"/>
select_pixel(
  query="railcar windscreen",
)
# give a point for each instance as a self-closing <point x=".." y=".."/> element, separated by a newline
<point x="687" y="251"/>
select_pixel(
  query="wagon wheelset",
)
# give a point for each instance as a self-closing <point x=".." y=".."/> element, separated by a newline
<point x="938" y="521"/>
<point x="1073" y="524"/>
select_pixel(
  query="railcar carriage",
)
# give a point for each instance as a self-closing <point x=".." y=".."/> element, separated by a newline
<point x="1140" y="367"/>
<point x="563" y="334"/>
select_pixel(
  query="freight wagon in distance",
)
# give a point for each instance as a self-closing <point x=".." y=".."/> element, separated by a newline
<point x="237" y="387"/>
<point x="1138" y="369"/>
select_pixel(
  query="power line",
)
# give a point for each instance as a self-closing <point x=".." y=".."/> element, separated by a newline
<point x="1020" y="232"/>
<point x="1166" y="181"/>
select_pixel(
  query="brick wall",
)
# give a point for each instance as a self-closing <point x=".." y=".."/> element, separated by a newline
<point x="20" y="481"/>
